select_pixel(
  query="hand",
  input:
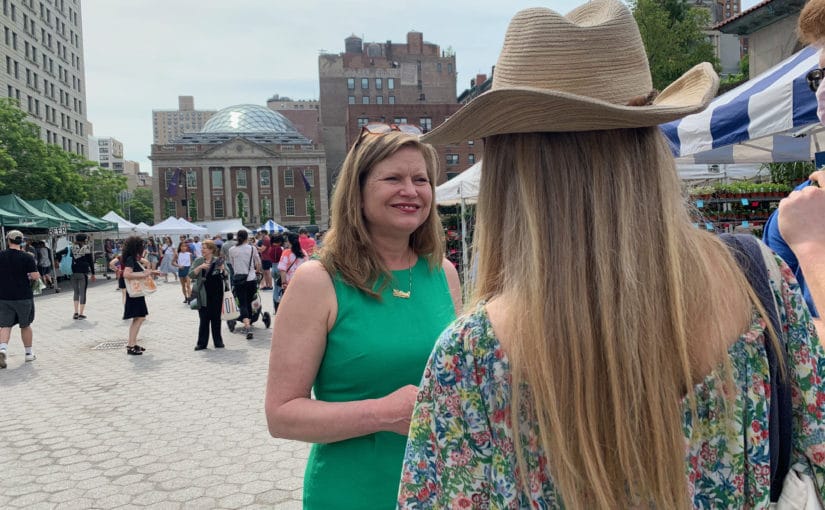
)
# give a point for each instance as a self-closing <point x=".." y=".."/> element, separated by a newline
<point x="93" y="278"/>
<point x="802" y="218"/>
<point x="203" y="267"/>
<point x="395" y="410"/>
<point x="818" y="178"/>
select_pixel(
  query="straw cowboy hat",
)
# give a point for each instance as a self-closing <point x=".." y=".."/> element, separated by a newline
<point x="574" y="73"/>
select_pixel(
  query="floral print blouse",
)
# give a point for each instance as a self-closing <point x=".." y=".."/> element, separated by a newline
<point x="460" y="447"/>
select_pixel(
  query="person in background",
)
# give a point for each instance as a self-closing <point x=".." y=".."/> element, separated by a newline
<point x="356" y="326"/>
<point x="227" y="245"/>
<point x="264" y="251"/>
<point x="218" y="241"/>
<point x="196" y="247"/>
<point x="811" y="30"/>
<point x="116" y="265"/>
<point x="183" y="261"/>
<point x="134" y="307"/>
<point x="17" y="270"/>
<point x="44" y="263"/>
<point x="210" y="279"/>
<point x="291" y="259"/>
<point x="307" y="243"/>
<point x="167" y="263"/>
<point x="83" y="270"/>
<point x="244" y="259"/>
<point x="581" y="377"/>
<point x="152" y="253"/>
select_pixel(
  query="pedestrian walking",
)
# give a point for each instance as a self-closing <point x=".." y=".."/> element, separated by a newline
<point x="246" y="264"/>
<point x="83" y="270"/>
<point x="182" y="262"/>
<point x="17" y="271"/>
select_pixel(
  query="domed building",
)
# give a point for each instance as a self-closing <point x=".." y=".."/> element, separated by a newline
<point x="247" y="162"/>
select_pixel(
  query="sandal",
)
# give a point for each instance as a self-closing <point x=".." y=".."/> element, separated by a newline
<point x="133" y="350"/>
<point x="75" y="316"/>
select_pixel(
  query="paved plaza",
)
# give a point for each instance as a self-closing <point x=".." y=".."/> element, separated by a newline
<point x="86" y="427"/>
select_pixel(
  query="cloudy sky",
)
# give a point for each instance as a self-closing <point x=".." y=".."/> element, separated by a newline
<point x="141" y="55"/>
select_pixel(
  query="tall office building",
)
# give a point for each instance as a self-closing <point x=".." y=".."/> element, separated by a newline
<point x="167" y="125"/>
<point x="107" y="152"/>
<point x="414" y="73"/>
<point x="42" y="49"/>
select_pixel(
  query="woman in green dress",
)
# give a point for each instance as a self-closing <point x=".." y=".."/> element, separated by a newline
<point x="356" y="326"/>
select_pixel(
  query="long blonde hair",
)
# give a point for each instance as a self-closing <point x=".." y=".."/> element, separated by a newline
<point x="606" y="279"/>
<point x="348" y="250"/>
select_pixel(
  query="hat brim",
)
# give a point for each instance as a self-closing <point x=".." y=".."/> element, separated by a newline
<point x="531" y="110"/>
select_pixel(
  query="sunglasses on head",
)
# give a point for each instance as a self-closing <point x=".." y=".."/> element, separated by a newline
<point x="815" y="78"/>
<point x="380" y="128"/>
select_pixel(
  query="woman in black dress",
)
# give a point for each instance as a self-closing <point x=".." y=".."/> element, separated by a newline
<point x="134" y="307"/>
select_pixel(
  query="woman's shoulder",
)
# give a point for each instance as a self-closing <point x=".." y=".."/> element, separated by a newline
<point x="471" y="333"/>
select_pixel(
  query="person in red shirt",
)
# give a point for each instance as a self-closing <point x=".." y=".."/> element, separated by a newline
<point x="307" y="243"/>
<point x="264" y="246"/>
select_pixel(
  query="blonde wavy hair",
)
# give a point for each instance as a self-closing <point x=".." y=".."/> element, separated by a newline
<point x="812" y="23"/>
<point x="607" y="284"/>
<point x="348" y="250"/>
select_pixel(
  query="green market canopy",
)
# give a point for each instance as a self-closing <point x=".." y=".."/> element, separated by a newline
<point x="75" y="224"/>
<point x="24" y="215"/>
<point x="102" y="225"/>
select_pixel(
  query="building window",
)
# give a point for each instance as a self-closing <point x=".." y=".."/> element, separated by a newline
<point x="449" y="68"/>
<point x="365" y="83"/>
<point x="379" y="84"/>
<point x="379" y="100"/>
<point x="363" y="121"/>
<point x="391" y="100"/>
<point x="426" y="123"/>
<point x="452" y="159"/>
<point x="170" y="208"/>
<point x="399" y="120"/>
<point x="217" y="178"/>
<point x="266" y="209"/>
<point x="351" y="99"/>
<point x="191" y="179"/>
<point x="350" y="83"/>
<point x="240" y="178"/>
<point x="168" y="176"/>
<point x="290" y="207"/>
<point x="471" y="142"/>
<point x="365" y="99"/>
<point x="471" y="158"/>
<point x="438" y="67"/>
<point x="391" y="83"/>
<point x="266" y="176"/>
<point x="289" y="178"/>
<point x="217" y="208"/>
<point x="310" y="176"/>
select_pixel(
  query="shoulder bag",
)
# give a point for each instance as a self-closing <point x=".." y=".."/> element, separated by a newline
<point x="139" y="287"/>
<point x="240" y="278"/>
<point x="790" y="489"/>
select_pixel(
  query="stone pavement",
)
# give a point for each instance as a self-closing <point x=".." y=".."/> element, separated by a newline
<point x="86" y="428"/>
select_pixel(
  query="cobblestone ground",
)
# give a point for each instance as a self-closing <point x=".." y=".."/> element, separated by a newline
<point x="87" y="428"/>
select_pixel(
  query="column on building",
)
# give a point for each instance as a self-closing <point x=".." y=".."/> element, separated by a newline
<point x="229" y="200"/>
<point x="206" y="191"/>
<point x="254" y="196"/>
<point x="276" y="191"/>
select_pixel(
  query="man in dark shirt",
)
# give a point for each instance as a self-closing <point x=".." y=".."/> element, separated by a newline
<point x="17" y="270"/>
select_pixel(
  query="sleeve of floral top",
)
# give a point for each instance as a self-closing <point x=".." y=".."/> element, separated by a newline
<point x="806" y="360"/>
<point x="447" y="461"/>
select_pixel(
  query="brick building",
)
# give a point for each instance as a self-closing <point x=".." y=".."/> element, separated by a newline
<point x="304" y="115"/>
<point x="167" y="125"/>
<point x="248" y="159"/>
<point x="372" y="73"/>
<point x="453" y="159"/>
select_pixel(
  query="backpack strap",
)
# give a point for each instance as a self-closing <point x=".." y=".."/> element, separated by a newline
<point x="750" y="257"/>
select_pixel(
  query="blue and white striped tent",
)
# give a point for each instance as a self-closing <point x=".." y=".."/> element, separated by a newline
<point x="271" y="226"/>
<point x="755" y="122"/>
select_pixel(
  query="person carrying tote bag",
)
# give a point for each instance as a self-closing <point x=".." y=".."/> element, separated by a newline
<point x="209" y="278"/>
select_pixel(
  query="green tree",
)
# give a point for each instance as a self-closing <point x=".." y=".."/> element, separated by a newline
<point x="31" y="168"/>
<point x="141" y="206"/>
<point x="672" y="32"/>
<point x="241" y="208"/>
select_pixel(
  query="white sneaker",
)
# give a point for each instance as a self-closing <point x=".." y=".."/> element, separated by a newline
<point x="3" y="358"/>
<point x="31" y="357"/>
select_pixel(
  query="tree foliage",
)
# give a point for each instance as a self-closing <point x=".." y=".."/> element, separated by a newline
<point x="141" y="206"/>
<point x="33" y="169"/>
<point x="672" y="32"/>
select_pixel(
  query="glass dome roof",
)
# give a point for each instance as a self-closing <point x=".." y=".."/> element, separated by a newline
<point x="248" y="118"/>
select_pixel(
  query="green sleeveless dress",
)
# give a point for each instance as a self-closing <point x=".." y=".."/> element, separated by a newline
<point x="374" y="348"/>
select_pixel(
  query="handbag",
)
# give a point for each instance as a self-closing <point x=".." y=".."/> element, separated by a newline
<point x="139" y="287"/>
<point x="240" y="278"/>
<point x="229" y="307"/>
<point x="790" y="489"/>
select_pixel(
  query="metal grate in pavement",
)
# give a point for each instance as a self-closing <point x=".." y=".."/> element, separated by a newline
<point x="105" y="346"/>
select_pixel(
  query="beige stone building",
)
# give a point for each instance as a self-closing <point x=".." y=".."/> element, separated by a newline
<point x="43" y="68"/>
<point x="415" y="72"/>
<point x="167" y="125"/>
<point x="247" y="161"/>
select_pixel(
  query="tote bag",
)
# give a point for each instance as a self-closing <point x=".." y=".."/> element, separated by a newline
<point x="229" y="308"/>
<point x="139" y="287"/>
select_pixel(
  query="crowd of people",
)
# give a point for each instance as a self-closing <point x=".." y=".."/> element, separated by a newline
<point x="611" y="355"/>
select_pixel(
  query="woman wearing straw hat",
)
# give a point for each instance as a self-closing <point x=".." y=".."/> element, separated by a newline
<point x="590" y="370"/>
<point x="356" y="326"/>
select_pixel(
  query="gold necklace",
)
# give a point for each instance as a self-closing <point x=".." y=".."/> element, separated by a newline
<point x="400" y="293"/>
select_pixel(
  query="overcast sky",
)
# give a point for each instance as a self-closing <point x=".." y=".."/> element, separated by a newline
<point x="142" y="54"/>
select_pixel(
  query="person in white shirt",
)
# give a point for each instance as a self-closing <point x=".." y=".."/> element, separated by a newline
<point x="246" y="264"/>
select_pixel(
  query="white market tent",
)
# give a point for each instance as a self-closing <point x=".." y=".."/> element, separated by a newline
<point x="222" y="226"/>
<point x="172" y="226"/>
<point x="125" y="227"/>
<point x="271" y="226"/>
<point x="462" y="187"/>
<point x="770" y="118"/>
